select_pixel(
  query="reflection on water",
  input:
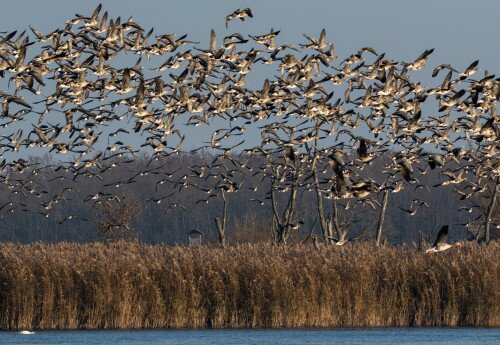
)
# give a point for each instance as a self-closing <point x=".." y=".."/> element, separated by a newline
<point x="381" y="336"/>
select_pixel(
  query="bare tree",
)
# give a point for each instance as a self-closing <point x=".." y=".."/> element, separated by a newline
<point x="221" y="223"/>
<point x="383" y="208"/>
<point x="491" y="207"/>
<point x="114" y="219"/>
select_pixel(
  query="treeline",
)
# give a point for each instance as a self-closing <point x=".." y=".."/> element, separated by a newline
<point x="176" y="179"/>
<point x="128" y="285"/>
<point x="315" y="145"/>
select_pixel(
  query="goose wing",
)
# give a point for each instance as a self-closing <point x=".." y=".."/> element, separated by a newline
<point x="441" y="236"/>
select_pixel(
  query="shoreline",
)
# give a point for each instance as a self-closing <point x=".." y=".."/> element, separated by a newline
<point x="285" y="329"/>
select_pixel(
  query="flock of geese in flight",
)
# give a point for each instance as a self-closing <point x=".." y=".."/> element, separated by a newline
<point x="319" y="120"/>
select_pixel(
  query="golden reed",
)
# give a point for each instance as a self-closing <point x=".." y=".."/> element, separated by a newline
<point x="128" y="285"/>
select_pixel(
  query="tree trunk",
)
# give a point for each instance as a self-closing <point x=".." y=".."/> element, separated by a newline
<point x="380" y="224"/>
<point x="224" y="214"/>
<point x="329" y="230"/>
<point x="491" y="207"/>
<point x="281" y="235"/>
<point x="421" y="241"/>
<point x="220" y="230"/>
<point x="276" y="218"/>
<point x="319" y="205"/>
<point x="221" y="224"/>
<point x="284" y="228"/>
<point x="283" y="223"/>
<point x="335" y="219"/>
<point x="323" y="221"/>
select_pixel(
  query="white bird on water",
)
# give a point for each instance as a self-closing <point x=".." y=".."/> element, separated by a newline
<point x="26" y="332"/>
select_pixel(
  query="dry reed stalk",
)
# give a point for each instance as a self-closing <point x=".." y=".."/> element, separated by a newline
<point x="128" y="285"/>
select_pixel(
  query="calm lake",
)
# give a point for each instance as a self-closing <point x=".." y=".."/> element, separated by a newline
<point x="384" y="336"/>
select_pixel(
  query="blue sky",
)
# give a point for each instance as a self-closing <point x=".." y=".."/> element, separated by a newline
<point x="460" y="31"/>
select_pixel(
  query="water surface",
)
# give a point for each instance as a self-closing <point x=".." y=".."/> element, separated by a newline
<point x="380" y="336"/>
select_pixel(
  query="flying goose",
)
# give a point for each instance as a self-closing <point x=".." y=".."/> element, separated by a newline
<point x="419" y="63"/>
<point x="314" y="43"/>
<point x="246" y="12"/>
<point x="440" y="244"/>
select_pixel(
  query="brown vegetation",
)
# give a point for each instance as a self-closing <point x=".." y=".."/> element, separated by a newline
<point x="129" y="285"/>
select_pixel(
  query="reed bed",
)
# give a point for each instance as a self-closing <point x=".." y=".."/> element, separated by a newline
<point x="129" y="285"/>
